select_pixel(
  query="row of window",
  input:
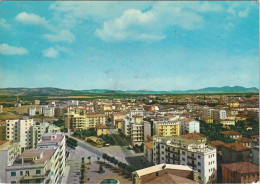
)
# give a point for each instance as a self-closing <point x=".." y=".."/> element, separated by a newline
<point x="26" y="172"/>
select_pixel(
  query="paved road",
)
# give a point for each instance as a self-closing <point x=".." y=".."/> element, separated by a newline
<point x="120" y="152"/>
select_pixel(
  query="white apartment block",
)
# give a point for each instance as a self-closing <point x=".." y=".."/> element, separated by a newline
<point x="189" y="126"/>
<point x="207" y="112"/>
<point x="31" y="111"/>
<point x="46" y="110"/>
<point x="35" y="166"/>
<point x="9" y="151"/>
<point x="194" y="153"/>
<point x="219" y="114"/>
<point x="136" y="129"/>
<point x="39" y="130"/>
<point x="138" y="111"/>
<point x="73" y="103"/>
<point x="19" y="130"/>
<point x="57" y="141"/>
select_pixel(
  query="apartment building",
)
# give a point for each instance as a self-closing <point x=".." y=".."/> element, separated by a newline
<point x="57" y="141"/>
<point x="219" y="114"/>
<point x="39" y="130"/>
<point x="136" y="129"/>
<point x="47" y="110"/>
<point x="207" y="112"/>
<point x="234" y="152"/>
<point x="191" y="152"/>
<point x="75" y="121"/>
<point x="116" y="116"/>
<point x="37" y="102"/>
<point x="189" y="126"/>
<point x="9" y="151"/>
<point x="165" y="129"/>
<point x="35" y="166"/>
<point x="2" y="130"/>
<point x="19" y="130"/>
<point x="31" y="111"/>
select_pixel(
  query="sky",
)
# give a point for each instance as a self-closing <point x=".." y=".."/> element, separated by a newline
<point x="129" y="45"/>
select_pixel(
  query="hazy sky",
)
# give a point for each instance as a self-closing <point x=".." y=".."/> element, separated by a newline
<point x="129" y="45"/>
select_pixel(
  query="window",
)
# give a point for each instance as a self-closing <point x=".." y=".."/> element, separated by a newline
<point x="21" y="173"/>
<point x="199" y="163"/>
<point x="38" y="180"/>
<point x="13" y="182"/>
<point x="199" y="178"/>
<point x="157" y="174"/>
<point x="183" y="152"/>
<point x="183" y="159"/>
<point x="13" y="173"/>
<point x="38" y="171"/>
<point x="199" y="170"/>
<point x="198" y="156"/>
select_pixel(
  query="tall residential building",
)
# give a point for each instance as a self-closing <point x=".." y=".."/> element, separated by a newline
<point x="74" y="121"/>
<point x="47" y="110"/>
<point x="191" y="152"/>
<point x="19" y="130"/>
<point x="165" y="129"/>
<point x="31" y="111"/>
<point x="39" y="130"/>
<point x="189" y="126"/>
<point x="219" y="114"/>
<point x="35" y="166"/>
<point x="2" y="130"/>
<point x="57" y="141"/>
<point x="136" y="129"/>
<point x="9" y="151"/>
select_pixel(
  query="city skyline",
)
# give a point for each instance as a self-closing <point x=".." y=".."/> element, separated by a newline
<point x="129" y="45"/>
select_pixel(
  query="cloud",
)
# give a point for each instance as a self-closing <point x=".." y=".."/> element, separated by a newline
<point x="50" y="53"/>
<point x="243" y="13"/>
<point x="150" y="25"/>
<point x="33" y="19"/>
<point x="3" y="24"/>
<point x="54" y="52"/>
<point x="62" y="36"/>
<point x="6" y="49"/>
<point x="126" y="27"/>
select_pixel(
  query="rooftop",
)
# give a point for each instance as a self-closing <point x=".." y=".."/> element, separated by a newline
<point x="159" y="167"/>
<point x="216" y="143"/>
<point x="242" y="167"/>
<point x="193" y="136"/>
<point x="236" y="147"/>
<point x="51" y="138"/>
<point x="170" y="178"/>
<point x="149" y="144"/>
<point x="243" y="139"/>
<point x="232" y="132"/>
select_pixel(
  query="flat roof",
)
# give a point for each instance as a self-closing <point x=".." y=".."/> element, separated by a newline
<point x="159" y="167"/>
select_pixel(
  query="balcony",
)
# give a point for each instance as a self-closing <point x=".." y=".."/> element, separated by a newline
<point x="191" y="157"/>
<point x="36" y="176"/>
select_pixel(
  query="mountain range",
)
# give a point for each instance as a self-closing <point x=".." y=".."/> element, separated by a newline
<point x="49" y="91"/>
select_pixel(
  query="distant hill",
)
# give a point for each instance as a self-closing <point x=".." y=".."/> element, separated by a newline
<point x="48" y="91"/>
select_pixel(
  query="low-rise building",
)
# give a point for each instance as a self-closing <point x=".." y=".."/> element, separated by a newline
<point x="231" y="134"/>
<point x="101" y="129"/>
<point x="241" y="172"/>
<point x="164" y="173"/>
<point x="233" y="152"/>
<point x="227" y="121"/>
<point x="244" y="141"/>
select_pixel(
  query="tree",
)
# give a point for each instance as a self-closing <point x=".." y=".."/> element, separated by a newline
<point x="101" y="170"/>
<point x="89" y="157"/>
